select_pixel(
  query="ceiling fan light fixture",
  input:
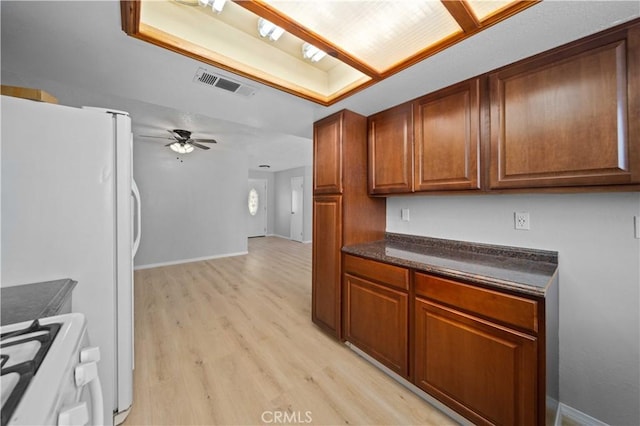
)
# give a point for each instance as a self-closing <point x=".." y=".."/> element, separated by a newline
<point x="181" y="148"/>
<point x="269" y="29"/>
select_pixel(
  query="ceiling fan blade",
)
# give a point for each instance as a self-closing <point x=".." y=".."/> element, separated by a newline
<point x="175" y="135"/>
<point x="170" y="143"/>
<point x="204" y="140"/>
<point x="198" y="145"/>
<point x="155" y="137"/>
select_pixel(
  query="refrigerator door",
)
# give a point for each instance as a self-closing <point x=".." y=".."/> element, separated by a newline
<point x="124" y="250"/>
<point x="58" y="217"/>
<point x="123" y="153"/>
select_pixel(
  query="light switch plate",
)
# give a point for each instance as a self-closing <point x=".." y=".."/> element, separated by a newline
<point x="636" y="226"/>
<point x="404" y="215"/>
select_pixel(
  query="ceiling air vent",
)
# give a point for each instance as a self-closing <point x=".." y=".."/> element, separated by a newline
<point x="209" y="78"/>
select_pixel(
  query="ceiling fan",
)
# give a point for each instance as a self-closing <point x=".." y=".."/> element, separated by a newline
<point x="182" y="141"/>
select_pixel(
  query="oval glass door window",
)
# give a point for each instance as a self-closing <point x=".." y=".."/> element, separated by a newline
<point x="253" y="202"/>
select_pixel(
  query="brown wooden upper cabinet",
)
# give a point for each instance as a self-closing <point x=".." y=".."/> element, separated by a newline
<point x="391" y="151"/>
<point x="447" y="138"/>
<point x="327" y="154"/>
<point x="430" y="144"/>
<point x="569" y="117"/>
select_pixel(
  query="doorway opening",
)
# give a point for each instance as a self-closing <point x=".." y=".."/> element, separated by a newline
<point x="297" y="201"/>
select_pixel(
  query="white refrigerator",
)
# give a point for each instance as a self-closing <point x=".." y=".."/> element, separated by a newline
<point x="70" y="209"/>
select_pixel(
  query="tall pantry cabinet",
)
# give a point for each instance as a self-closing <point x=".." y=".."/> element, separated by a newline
<point x="343" y="213"/>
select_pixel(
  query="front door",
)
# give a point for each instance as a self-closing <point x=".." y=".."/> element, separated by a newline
<point x="257" y="208"/>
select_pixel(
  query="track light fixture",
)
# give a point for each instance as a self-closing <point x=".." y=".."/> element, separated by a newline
<point x="269" y="29"/>
<point x="312" y="53"/>
<point x="216" y="5"/>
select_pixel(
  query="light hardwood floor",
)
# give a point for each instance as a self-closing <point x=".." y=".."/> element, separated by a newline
<point x="230" y="341"/>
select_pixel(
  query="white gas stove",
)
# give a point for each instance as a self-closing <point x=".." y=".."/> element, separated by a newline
<point x="46" y="366"/>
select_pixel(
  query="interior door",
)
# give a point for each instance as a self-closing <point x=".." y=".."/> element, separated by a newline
<point x="297" y="197"/>
<point x="257" y="208"/>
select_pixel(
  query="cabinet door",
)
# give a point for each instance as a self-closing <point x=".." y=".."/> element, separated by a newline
<point x="326" y="273"/>
<point x="376" y="321"/>
<point x="447" y="138"/>
<point x="568" y="118"/>
<point x="391" y="151"/>
<point x="482" y="370"/>
<point x="327" y="154"/>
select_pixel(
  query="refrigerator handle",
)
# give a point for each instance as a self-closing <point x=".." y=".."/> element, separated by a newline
<point x="136" y="196"/>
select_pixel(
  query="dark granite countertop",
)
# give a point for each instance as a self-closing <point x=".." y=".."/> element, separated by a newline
<point x="523" y="270"/>
<point x="38" y="300"/>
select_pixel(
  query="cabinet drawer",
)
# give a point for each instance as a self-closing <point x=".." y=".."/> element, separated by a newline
<point x="513" y="310"/>
<point x="394" y="276"/>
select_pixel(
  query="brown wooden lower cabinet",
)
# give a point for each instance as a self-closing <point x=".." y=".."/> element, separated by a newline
<point x="376" y="310"/>
<point x="376" y="321"/>
<point x="478" y="350"/>
<point x="484" y="371"/>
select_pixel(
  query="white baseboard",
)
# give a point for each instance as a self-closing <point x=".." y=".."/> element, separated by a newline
<point x="195" y="259"/>
<point x="289" y="238"/>
<point x="552" y="412"/>
<point x="577" y="416"/>
<point x="280" y="236"/>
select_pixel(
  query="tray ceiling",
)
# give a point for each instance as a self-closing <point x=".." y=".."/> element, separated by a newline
<point x="365" y="41"/>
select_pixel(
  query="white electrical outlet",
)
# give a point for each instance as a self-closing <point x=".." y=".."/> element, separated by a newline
<point x="404" y="215"/>
<point x="521" y="221"/>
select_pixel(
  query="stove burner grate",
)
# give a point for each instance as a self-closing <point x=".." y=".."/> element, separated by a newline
<point x="44" y="334"/>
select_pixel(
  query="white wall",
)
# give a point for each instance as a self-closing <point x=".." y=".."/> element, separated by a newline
<point x="191" y="209"/>
<point x="599" y="265"/>
<point x="283" y="201"/>
<point x="271" y="199"/>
